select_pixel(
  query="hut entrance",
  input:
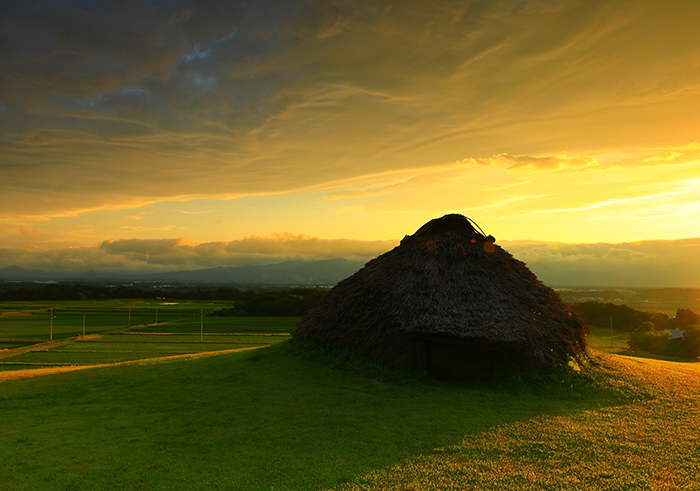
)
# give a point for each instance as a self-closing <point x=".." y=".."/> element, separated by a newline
<point x="451" y="358"/>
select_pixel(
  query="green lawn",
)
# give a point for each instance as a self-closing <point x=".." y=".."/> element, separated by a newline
<point x="269" y="418"/>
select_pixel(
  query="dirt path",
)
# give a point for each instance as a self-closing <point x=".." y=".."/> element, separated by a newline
<point x="45" y="346"/>
<point x="18" y="374"/>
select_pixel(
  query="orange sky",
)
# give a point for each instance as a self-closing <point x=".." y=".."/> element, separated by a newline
<point x="307" y="122"/>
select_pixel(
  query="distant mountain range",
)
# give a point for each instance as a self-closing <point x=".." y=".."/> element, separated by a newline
<point x="327" y="272"/>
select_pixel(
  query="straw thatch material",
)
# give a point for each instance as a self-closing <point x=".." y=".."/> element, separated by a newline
<point x="449" y="300"/>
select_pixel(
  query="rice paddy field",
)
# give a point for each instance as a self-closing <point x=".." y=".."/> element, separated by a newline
<point x="74" y="334"/>
<point x="163" y="410"/>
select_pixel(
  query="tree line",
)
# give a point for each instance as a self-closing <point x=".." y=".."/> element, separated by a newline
<point x="647" y="328"/>
<point x="296" y="301"/>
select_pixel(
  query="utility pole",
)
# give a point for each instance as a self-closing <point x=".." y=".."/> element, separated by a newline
<point x="83" y="325"/>
<point x="612" y="343"/>
<point x="201" y="325"/>
<point x="156" y="315"/>
<point x="51" y="328"/>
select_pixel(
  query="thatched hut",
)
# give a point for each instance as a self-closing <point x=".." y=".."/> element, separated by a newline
<point x="450" y="301"/>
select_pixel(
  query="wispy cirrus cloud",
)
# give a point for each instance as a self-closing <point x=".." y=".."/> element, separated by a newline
<point x="185" y="212"/>
<point x="108" y="107"/>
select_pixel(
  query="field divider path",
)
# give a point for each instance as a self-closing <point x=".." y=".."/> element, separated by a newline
<point x="19" y="374"/>
<point x="45" y="346"/>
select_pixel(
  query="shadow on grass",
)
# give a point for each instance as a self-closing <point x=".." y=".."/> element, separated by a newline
<point x="283" y="417"/>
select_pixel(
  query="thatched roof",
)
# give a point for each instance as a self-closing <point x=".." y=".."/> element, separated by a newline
<point x="451" y="281"/>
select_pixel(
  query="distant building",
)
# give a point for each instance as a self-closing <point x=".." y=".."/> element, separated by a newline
<point x="675" y="333"/>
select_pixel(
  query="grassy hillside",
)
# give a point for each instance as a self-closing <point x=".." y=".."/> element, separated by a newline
<point x="262" y="419"/>
<point x="644" y="444"/>
<point x="174" y="414"/>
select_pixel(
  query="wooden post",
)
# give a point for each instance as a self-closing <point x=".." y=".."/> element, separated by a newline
<point x="156" y="315"/>
<point x="83" y="325"/>
<point x="201" y="325"/>
<point x="612" y="343"/>
<point x="128" y="322"/>
<point x="51" y="328"/>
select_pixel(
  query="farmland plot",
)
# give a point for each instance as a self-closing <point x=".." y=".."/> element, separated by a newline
<point x="31" y="339"/>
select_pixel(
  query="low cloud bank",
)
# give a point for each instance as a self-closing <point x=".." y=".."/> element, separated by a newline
<point x="651" y="263"/>
<point x="657" y="263"/>
<point x="183" y="254"/>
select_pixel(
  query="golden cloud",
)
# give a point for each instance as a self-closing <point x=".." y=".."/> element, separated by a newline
<point x="326" y="93"/>
<point x="652" y="263"/>
<point x="185" y="253"/>
<point x="671" y="263"/>
<point x="664" y="157"/>
<point x="526" y="163"/>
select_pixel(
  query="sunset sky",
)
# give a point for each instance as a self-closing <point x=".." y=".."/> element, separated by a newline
<point x="181" y="134"/>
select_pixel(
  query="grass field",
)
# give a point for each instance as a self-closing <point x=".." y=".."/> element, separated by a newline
<point x="286" y="417"/>
<point x="600" y="339"/>
<point x="648" y="443"/>
<point x="279" y="419"/>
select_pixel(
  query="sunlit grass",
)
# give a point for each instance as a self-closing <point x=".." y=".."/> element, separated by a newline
<point x="650" y="443"/>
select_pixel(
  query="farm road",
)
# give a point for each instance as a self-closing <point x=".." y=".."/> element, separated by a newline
<point x="18" y="374"/>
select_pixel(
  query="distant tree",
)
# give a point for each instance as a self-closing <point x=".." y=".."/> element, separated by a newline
<point x="650" y="341"/>
<point x="646" y="327"/>
<point x="659" y="319"/>
<point x="598" y="314"/>
<point x="690" y="343"/>
<point x="685" y="318"/>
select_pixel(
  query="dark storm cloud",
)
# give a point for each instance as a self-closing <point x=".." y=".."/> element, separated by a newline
<point x="85" y="48"/>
